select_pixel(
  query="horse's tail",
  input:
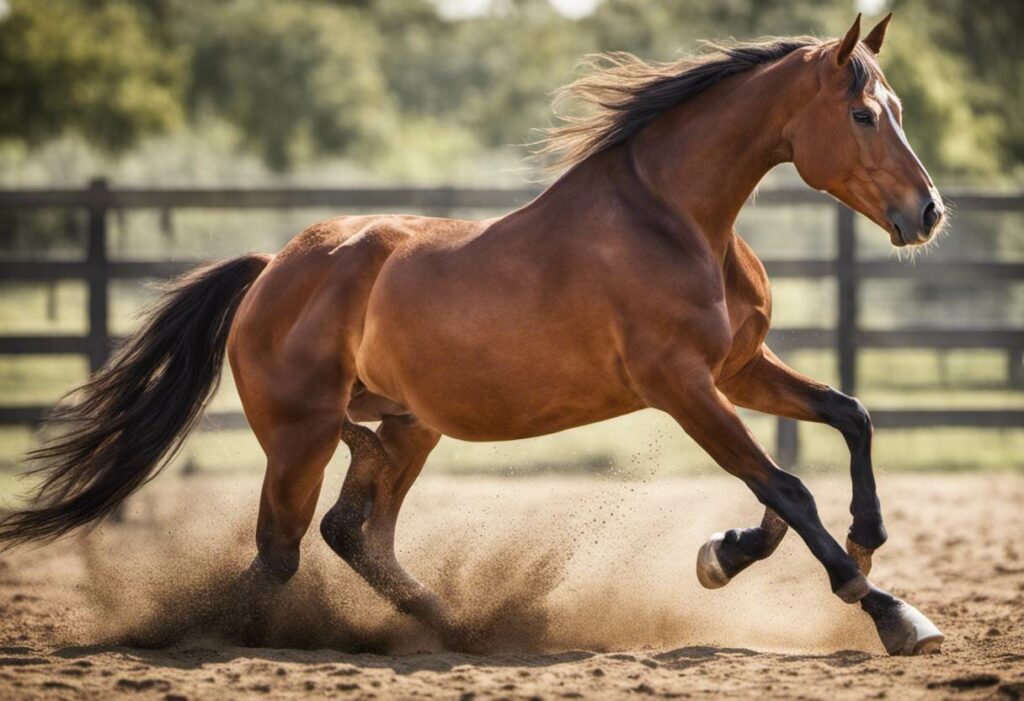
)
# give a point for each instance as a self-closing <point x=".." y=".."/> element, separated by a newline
<point x="120" y="428"/>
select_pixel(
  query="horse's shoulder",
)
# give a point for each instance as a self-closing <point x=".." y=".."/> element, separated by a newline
<point x="745" y="276"/>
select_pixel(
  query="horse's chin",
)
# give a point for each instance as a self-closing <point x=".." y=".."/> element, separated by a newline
<point x="896" y="237"/>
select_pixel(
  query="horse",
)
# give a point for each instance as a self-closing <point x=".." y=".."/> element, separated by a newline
<point x="623" y="285"/>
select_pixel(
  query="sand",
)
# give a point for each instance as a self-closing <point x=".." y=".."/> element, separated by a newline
<point x="573" y="587"/>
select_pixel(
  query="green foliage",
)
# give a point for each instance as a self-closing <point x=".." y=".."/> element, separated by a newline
<point x="660" y="28"/>
<point x="506" y="84"/>
<point x="982" y="37"/>
<point x="298" y="78"/>
<point x="936" y="94"/>
<point x="401" y="91"/>
<point x="72" y="66"/>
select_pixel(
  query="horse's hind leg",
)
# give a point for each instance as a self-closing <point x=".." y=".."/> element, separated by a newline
<point x="295" y="469"/>
<point x="298" y="450"/>
<point x="360" y="527"/>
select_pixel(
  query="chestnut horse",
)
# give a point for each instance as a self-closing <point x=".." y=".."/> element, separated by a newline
<point x="624" y="285"/>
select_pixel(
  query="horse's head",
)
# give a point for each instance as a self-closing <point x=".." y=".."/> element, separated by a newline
<point x="849" y="141"/>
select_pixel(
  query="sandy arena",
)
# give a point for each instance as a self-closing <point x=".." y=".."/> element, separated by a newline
<point x="573" y="588"/>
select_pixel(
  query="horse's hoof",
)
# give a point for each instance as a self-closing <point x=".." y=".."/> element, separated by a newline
<point x="860" y="555"/>
<point x="907" y="631"/>
<point x="710" y="572"/>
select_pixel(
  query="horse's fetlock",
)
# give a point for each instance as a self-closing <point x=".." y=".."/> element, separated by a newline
<point x="792" y="489"/>
<point x="868" y="532"/>
<point x="740" y="548"/>
<point x="854" y="589"/>
<point x="281" y="566"/>
<point x="750" y="542"/>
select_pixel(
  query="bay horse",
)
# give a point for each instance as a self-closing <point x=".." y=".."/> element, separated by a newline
<point x="624" y="285"/>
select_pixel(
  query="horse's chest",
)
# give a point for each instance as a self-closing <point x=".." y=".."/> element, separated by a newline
<point x="748" y="298"/>
<point x="749" y="319"/>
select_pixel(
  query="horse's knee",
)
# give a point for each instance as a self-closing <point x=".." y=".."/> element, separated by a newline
<point x="787" y="495"/>
<point x="848" y="415"/>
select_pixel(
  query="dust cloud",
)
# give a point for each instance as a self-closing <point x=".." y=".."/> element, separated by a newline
<point x="525" y="565"/>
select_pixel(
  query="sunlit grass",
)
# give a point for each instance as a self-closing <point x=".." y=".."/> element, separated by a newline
<point x="56" y="308"/>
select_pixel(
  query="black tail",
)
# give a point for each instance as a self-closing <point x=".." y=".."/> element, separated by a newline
<point x="122" y="426"/>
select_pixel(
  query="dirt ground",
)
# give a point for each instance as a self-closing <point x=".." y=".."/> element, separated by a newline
<point x="573" y="588"/>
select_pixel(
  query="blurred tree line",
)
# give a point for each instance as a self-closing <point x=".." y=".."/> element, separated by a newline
<point x="386" y="83"/>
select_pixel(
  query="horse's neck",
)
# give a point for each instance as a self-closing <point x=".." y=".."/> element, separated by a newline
<point x="704" y="158"/>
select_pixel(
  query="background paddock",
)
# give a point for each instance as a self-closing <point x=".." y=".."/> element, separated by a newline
<point x="138" y="137"/>
<point x="932" y="346"/>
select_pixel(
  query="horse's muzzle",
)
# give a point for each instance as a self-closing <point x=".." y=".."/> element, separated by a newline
<point x="912" y="228"/>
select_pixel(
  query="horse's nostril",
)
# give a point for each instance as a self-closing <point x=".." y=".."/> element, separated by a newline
<point x="931" y="215"/>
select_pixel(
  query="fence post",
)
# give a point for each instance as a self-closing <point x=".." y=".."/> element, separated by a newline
<point x="787" y="443"/>
<point x="99" y="274"/>
<point x="1015" y="367"/>
<point x="846" y="277"/>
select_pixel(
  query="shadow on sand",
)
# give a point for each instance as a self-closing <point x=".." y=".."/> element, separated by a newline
<point x="325" y="660"/>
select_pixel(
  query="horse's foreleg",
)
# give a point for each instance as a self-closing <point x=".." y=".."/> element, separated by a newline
<point x="689" y="395"/>
<point x="360" y="527"/>
<point x="728" y="553"/>
<point x="766" y="384"/>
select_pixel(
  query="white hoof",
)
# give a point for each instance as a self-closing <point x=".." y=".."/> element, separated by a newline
<point x="709" y="570"/>
<point x="909" y="632"/>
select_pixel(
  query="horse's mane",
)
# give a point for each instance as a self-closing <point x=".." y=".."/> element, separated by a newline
<point x="625" y="93"/>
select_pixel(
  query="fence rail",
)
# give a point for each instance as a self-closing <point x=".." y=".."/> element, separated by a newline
<point x="847" y="338"/>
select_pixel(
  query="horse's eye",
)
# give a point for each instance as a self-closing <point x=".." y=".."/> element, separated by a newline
<point x="865" y="117"/>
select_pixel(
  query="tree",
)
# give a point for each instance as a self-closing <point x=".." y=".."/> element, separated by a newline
<point x="68" y="66"/>
<point x="982" y="37"/>
<point x="299" y="79"/>
<point x="388" y="83"/>
<point x="950" y="130"/>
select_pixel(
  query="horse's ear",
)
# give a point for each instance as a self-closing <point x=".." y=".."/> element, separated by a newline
<point x="875" y="38"/>
<point x="848" y="43"/>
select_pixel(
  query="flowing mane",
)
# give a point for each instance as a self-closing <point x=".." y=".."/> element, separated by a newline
<point x="625" y="93"/>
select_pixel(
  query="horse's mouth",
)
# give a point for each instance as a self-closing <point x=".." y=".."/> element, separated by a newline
<point x="896" y="236"/>
<point x="902" y="240"/>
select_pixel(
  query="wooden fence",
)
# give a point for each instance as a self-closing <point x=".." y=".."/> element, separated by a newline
<point x="847" y="338"/>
